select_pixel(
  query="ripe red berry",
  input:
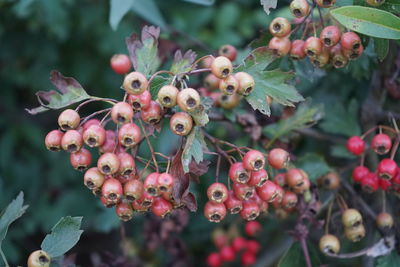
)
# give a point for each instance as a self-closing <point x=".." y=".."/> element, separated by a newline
<point x="243" y="191"/>
<point x="69" y="119"/>
<point x="250" y="210"/>
<point x="72" y="141"/>
<point x="161" y="207"/>
<point x="151" y="185"/>
<point x="129" y="135"/>
<point x="167" y="96"/>
<point x="181" y="123"/>
<point x="121" y="113"/>
<point x="217" y="192"/>
<point x="359" y="172"/>
<point x="81" y="159"/>
<point x="141" y="101"/>
<point x="227" y="254"/>
<point x="280" y="27"/>
<point x="108" y="163"/>
<point x="312" y="46"/>
<point x="165" y="181"/>
<point x="94" y="135"/>
<point x="93" y="178"/>
<point x="280" y="46"/>
<point x="353" y="54"/>
<point x="248" y="258"/>
<point x="258" y="178"/>
<point x="252" y="228"/>
<point x="39" y="258"/>
<point x="268" y="192"/>
<point x="139" y="207"/>
<point x="295" y="177"/>
<point x="135" y="83"/>
<point x="253" y="160"/>
<point x="120" y="63"/>
<point x="53" y="140"/>
<point x="90" y="123"/>
<point x="330" y="35"/>
<point x="385" y="184"/>
<point x="153" y="114"/>
<point x="350" y="41"/>
<point x="124" y="211"/>
<point x="253" y="246"/>
<point x="299" y="8"/>
<point x="387" y="169"/>
<point x="214" y="260"/>
<point x="221" y="67"/>
<point x="280" y="179"/>
<point x="211" y="82"/>
<point x="289" y="200"/>
<point x="305" y="186"/>
<point x="228" y="51"/>
<point x="133" y="190"/>
<point x="297" y="50"/>
<point x="112" y="190"/>
<point x="127" y="164"/>
<point x="232" y="203"/>
<point x="188" y="99"/>
<point x="381" y="144"/>
<point x="338" y="59"/>
<point x="355" y="145"/>
<point x="322" y="59"/>
<point x="110" y="143"/>
<point x="238" y="173"/>
<point x="278" y="158"/>
<point x="246" y="83"/>
<point x="214" y="212"/>
<point x="239" y="243"/>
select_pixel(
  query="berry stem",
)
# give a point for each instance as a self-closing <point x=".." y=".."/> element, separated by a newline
<point x="328" y="217"/>
<point x="85" y="119"/>
<point x="303" y="243"/>
<point x="217" y="168"/>
<point x="93" y="99"/>
<point x="150" y="146"/>
<point x="214" y="142"/>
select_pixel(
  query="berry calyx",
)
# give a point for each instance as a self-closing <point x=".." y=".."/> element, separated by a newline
<point x="135" y="83"/>
<point x="268" y="192"/>
<point x="232" y="203"/>
<point x="312" y="46"/>
<point x="188" y="99"/>
<point x="108" y="163"/>
<point x="94" y="135"/>
<point x="39" y="258"/>
<point x="350" y="41"/>
<point x="112" y="190"/>
<point x="214" y="212"/>
<point x="228" y="51"/>
<point x="253" y="160"/>
<point x="72" y="141"/>
<point x="280" y="46"/>
<point x="221" y="67"/>
<point x="124" y="211"/>
<point x="295" y="178"/>
<point x="250" y="210"/>
<point x="153" y="114"/>
<point x="141" y="101"/>
<point x="120" y="63"/>
<point x="246" y="83"/>
<point x="329" y="244"/>
<point x="165" y="181"/>
<point x="330" y="35"/>
<point x="151" y="184"/>
<point x="133" y="190"/>
<point x="69" y="119"/>
<point x="243" y="191"/>
<point x="217" y="192"/>
<point x="81" y="159"/>
<point x="93" y="178"/>
<point x="338" y="59"/>
<point x="121" y="113"/>
<point x="355" y="234"/>
<point x="387" y="169"/>
<point x="129" y="135"/>
<point x="167" y="96"/>
<point x="280" y="27"/>
<point x="299" y="8"/>
<point x="355" y="145"/>
<point x="229" y="85"/>
<point x="258" y="178"/>
<point x="53" y="140"/>
<point x="381" y="144"/>
<point x="181" y="123"/>
<point x="127" y="164"/>
<point x="238" y="173"/>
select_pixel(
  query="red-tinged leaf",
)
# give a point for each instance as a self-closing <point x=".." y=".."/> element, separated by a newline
<point x="183" y="63"/>
<point x="181" y="185"/>
<point x="200" y="168"/>
<point x="69" y="92"/>
<point x="190" y="201"/>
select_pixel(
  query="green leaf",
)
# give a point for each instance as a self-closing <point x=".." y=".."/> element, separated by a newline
<point x="268" y="83"/>
<point x="149" y="11"/>
<point x="200" y="115"/>
<point x="156" y="85"/>
<point x="118" y="9"/>
<point x="268" y="4"/>
<point x="64" y="235"/>
<point x="194" y="147"/>
<point x="314" y="165"/>
<point x="13" y="211"/>
<point x="340" y="151"/>
<point x="183" y="63"/>
<point x="393" y="259"/>
<point x="70" y="92"/>
<point x="294" y="256"/>
<point x="381" y="48"/>
<point x="201" y="2"/>
<point x="340" y="120"/>
<point x="369" y="21"/>
<point x="305" y="116"/>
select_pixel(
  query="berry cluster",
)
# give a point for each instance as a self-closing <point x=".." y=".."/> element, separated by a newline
<point x="387" y="174"/>
<point x="252" y="191"/>
<point x="238" y="246"/>
<point x="331" y="47"/>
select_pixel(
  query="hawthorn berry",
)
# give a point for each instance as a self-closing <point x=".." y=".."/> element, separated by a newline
<point x="338" y="59"/>
<point x="94" y="135"/>
<point x="325" y="3"/>
<point x="358" y="173"/>
<point x="353" y="54"/>
<point x="370" y="182"/>
<point x="214" y="260"/>
<point x="280" y="179"/>
<point x="329" y="243"/>
<point x="385" y="184"/>
<point x="350" y="41"/>
<point x="53" y="140"/>
<point x="297" y="50"/>
<point x="141" y="101"/>
<point x="153" y="114"/>
<point x="248" y="258"/>
<point x="355" y="145"/>
<point x="280" y="27"/>
<point x="110" y="143"/>
<point x="124" y="211"/>
<point x="228" y="51"/>
<point x="129" y="135"/>
<point x="227" y="254"/>
<point x="330" y="181"/>
<point x="217" y="192"/>
<point x="238" y="173"/>
<point x="133" y="190"/>
<point x="278" y="158"/>
<point x="250" y="210"/>
<point x="135" y="83"/>
<point x="321" y="59"/>
<point x="252" y="228"/>
<point x="121" y="113"/>
<point x="106" y="203"/>
<point x="93" y="178"/>
<point x="161" y="207"/>
<point x="127" y="164"/>
<point x="181" y="123"/>
<point x="299" y="8"/>
<point x="330" y="35"/>
<point x="268" y="192"/>
<point x="253" y="246"/>
<point x="69" y="119"/>
<point x="253" y="160"/>
<point x="305" y="186"/>
<point x="89" y="123"/>
<point x="375" y="3"/>
<point x="295" y="178"/>
<point x="280" y="46"/>
<point x="147" y="199"/>
<point x="258" y="178"/>
<point x="120" y="63"/>
<point x="232" y="203"/>
<point x="165" y="181"/>
<point x="71" y="141"/>
<point x="211" y="82"/>
<point x="387" y="169"/>
<point x="138" y="206"/>
<point x="81" y="159"/>
<point x="384" y="220"/>
<point x="355" y="234"/>
<point x="312" y="46"/>
<point x="351" y="218"/>
<point x="239" y="243"/>
<point x="151" y="184"/>
<point x="246" y="83"/>
<point x="188" y="99"/>
<point x="112" y="190"/>
<point x="167" y="96"/>
<point x="214" y="212"/>
<point x="108" y="163"/>
<point x="229" y="85"/>
<point x="228" y="101"/>
<point x="221" y="67"/>
<point x="39" y="258"/>
<point x="243" y="191"/>
<point x="289" y="200"/>
<point x="381" y="143"/>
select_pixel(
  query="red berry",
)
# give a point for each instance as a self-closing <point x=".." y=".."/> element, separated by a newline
<point x="253" y="246"/>
<point x="214" y="260"/>
<point x="141" y="101"/>
<point x="356" y="145"/>
<point x="297" y="50"/>
<point x="165" y="181"/>
<point x="129" y="135"/>
<point x="72" y="141"/>
<point x="295" y="177"/>
<point x="161" y="207"/>
<point x="280" y="179"/>
<point x="229" y="85"/>
<point x="219" y="238"/>
<point x="211" y="82"/>
<point x="387" y="169"/>
<point x="246" y="86"/>
<point x="359" y="172"/>
<point x="354" y="53"/>
<point x="248" y="258"/>
<point x="108" y="163"/>
<point x="250" y="210"/>
<point x="252" y="228"/>
<point x="305" y="186"/>
<point x="227" y="254"/>
<point x="243" y="191"/>
<point x="232" y="203"/>
<point x="69" y="119"/>
<point x="279" y="46"/>
<point x="146" y="200"/>
<point x="153" y="114"/>
<point x="127" y="164"/>
<point x="214" y="212"/>
<point x="338" y="59"/>
<point x="381" y="143"/>
<point x="238" y="173"/>
<point x="268" y="192"/>
<point x="151" y="185"/>
<point x="289" y="200"/>
<point x="258" y="178"/>
<point x="120" y="63"/>
<point x="278" y="158"/>
<point x="124" y="211"/>
<point x="253" y="160"/>
<point x="133" y="190"/>
<point x="121" y="113"/>
<point x="112" y="190"/>
<point x="217" y="192"/>
<point x="90" y="123"/>
<point x="385" y="184"/>
<point x="299" y="8"/>
<point x="94" y="135"/>
<point x="93" y="178"/>
<point x="53" y="140"/>
<point x="228" y="51"/>
<point x="110" y="143"/>
<point x="350" y="41"/>
<point x="370" y="182"/>
<point x="239" y="243"/>
<point x="312" y="47"/>
<point x="135" y="83"/>
<point x="330" y="35"/>
<point x="81" y="159"/>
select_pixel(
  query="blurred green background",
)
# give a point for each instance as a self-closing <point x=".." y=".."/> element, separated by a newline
<point x="75" y="37"/>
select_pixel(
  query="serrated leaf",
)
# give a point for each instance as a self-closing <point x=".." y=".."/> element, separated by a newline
<point x="340" y="120"/>
<point x="143" y="53"/>
<point x="294" y="256"/>
<point x="369" y="21"/>
<point x="194" y="147"/>
<point x="13" y="211"/>
<point x="268" y="83"/>
<point x="183" y="63"/>
<point x="64" y="235"/>
<point x="69" y="92"/>
<point x="305" y="116"/>
<point x="393" y="259"/>
<point x="381" y="48"/>
<point x="268" y="4"/>
<point x="118" y="9"/>
<point x="314" y="165"/>
<point x="201" y="2"/>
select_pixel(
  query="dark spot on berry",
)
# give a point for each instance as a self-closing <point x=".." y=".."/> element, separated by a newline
<point x="330" y="250"/>
<point x="81" y="168"/>
<point x="248" y="90"/>
<point x="297" y="13"/>
<point x="112" y="196"/>
<point x="327" y="2"/>
<point x="252" y="216"/>
<point x="153" y="121"/>
<point x="136" y="105"/>
<point x="338" y="64"/>
<point x="216" y="217"/>
<point x="230" y="88"/>
<point x="356" y="45"/>
<point x="127" y="172"/>
<point x="354" y="55"/>
<point x="163" y="189"/>
<point x="120" y="118"/>
<point x="125" y="217"/>
<point x="225" y="72"/>
<point x="248" y="194"/>
<point x="191" y="102"/>
<point x="43" y="259"/>
<point x="167" y="100"/>
<point x="224" y="98"/>
<point x="258" y="164"/>
<point x="327" y="41"/>
<point x="217" y="195"/>
<point x="294" y="57"/>
<point x="316" y="62"/>
<point x="90" y="184"/>
<point x="236" y="210"/>
<point x="92" y="141"/>
<point x="54" y="148"/>
<point x="128" y="141"/>
<point x="225" y="50"/>
<point x="262" y="182"/>
<point x="243" y="177"/>
<point x="310" y="53"/>
<point x="136" y="84"/>
<point x="327" y="181"/>
<point x="147" y="203"/>
<point x="299" y="184"/>
<point x="72" y="148"/>
<point x="356" y="224"/>
<point x="152" y="191"/>
<point x="179" y="128"/>
<point x="66" y="127"/>
<point x="277" y="27"/>
<point x="106" y="169"/>
<point x="359" y="237"/>
<point x="381" y="149"/>
<point x="130" y="198"/>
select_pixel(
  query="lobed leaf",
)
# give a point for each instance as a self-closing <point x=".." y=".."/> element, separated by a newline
<point x="183" y="63"/>
<point x="194" y="147"/>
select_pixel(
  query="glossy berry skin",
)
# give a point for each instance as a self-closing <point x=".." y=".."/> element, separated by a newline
<point x="161" y="207"/>
<point x="325" y="3"/>
<point x="387" y="169"/>
<point x="258" y="178"/>
<point x="90" y="123"/>
<point x="110" y="143"/>
<point x="329" y="243"/>
<point x="381" y="144"/>
<point x="221" y="67"/>
<point x="370" y="182"/>
<point x="238" y="173"/>
<point x="129" y="135"/>
<point x="232" y="203"/>
<point x="312" y="46"/>
<point x="248" y="258"/>
<point x="353" y="54"/>
<point x="124" y="211"/>
<point x="252" y="228"/>
<point x="289" y="200"/>
<point x="384" y="220"/>
<point x="211" y="82"/>
<point x="297" y="50"/>
<point x="253" y="160"/>
<point x="355" y="145"/>
<point x="280" y="27"/>
<point x="246" y="83"/>
<point x="141" y="101"/>
<point x="279" y="46"/>
<point x="250" y="210"/>
<point x="278" y="158"/>
<point x="188" y="99"/>
<point x="72" y="141"/>
<point x="167" y="96"/>
<point x="214" y="212"/>
<point x="355" y="234"/>
<point x="108" y="163"/>
<point x="280" y="179"/>
<point x="69" y="119"/>
<point x="112" y="190"/>
<point x="227" y="254"/>
<point x="127" y="164"/>
<point x="214" y="260"/>
<point x="330" y="35"/>
<point x="302" y="188"/>
<point x="151" y="184"/>
<point x="299" y="8"/>
<point x="133" y="190"/>
<point x="338" y="59"/>
<point x="228" y="51"/>
<point x="217" y="192"/>
<point x="268" y="192"/>
<point x="94" y="135"/>
<point x="229" y="85"/>
<point x="239" y="243"/>
<point x="81" y="159"/>
<point x="181" y="123"/>
<point x="53" y="140"/>
<point x="243" y="191"/>
<point x="93" y="178"/>
<point x="358" y="173"/>
<point x="375" y="3"/>
<point x="39" y="258"/>
<point x="253" y="246"/>
<point x="330" y="181"/>
<point x="351" y="218"/>
<point x="295" y="177"/>
<point x="135" y="83"/>
<point x="350" y="41"/>
<point x="120" y="63"/>
<point x="121" y="113"/>
<point x="153" y="114"/>
<point x="165" y="182"/>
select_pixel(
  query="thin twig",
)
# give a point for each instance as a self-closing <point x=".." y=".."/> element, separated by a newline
<point x="149" y="145"/>
<point x="4" y="258"/>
